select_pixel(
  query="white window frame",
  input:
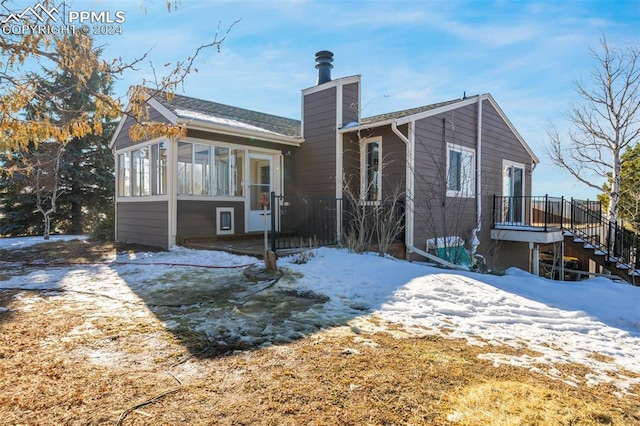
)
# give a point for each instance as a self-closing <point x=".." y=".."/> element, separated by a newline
<point x="364" y="167"/>
<point x="127" y="182"/>
<point x="468" y="185"/>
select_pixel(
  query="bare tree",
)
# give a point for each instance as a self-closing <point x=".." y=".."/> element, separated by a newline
<point x="605" y="124"/>
<point x="42" y="176"/>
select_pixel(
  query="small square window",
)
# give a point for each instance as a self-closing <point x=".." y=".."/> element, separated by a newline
<point x="224" y="221"/>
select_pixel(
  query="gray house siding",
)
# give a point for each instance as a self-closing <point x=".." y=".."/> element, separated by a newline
<point x="122" y="140"/>
<point x="393" y="159"/>
<point x="437" y="215"/>
<point x="236" y="140"/>
<point x="314" y="162"/>
<point x="499" y="143"/>
<point x="144" y="223"/>
<point x="197" y="218"/>
<point x="350" y="103"/>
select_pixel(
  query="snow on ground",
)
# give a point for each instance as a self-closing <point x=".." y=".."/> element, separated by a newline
<point x="24" y="242"/>
<point x="559" y="322"/>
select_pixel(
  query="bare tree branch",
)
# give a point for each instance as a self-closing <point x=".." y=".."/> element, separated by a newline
<point x="604" y="124"/>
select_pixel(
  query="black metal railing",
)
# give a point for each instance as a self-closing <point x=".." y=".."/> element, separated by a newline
<point x="295" y="220"/>
<point x="585" y="219"/>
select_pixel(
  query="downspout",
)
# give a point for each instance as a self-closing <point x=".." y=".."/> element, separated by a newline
<point x="409" y="212"/>
<point x="409" y="181"/>
<point x="339" y="160"/>
<point x="475" y="240"/>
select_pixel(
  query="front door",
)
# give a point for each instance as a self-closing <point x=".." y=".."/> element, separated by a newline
<point x="260" y="182"/>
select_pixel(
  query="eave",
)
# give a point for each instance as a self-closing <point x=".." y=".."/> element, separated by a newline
<point x="194" y="124"/>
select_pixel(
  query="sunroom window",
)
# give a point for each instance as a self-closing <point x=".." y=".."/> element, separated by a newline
<point x="210" y="170"/>
<point x="142" y="172"/>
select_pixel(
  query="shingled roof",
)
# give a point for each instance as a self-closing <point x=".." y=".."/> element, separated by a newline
<point x="186" y="107"/>
<point x="197" y="109"/>
<point x="406" y="112"/>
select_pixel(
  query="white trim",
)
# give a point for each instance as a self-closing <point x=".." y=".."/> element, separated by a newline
<point x="339" y="142"/>
<point x="476" y="230"/>
<point x="164" y="111"/>
<point x="141" y="145"/>
<point x="462" y="193"/>
<point x="142" y="198"/>
<point x="273" y="182"/>
<point x="440" y="110"/>
<point x="333" y="83"/>
<point x="409" y="178"/>
<point x="503" y="234"/>
<point x="511" y="127"/>
<point x="172" y="189"/>
<point x="223" y="198"/>
<point x="195" y="124"/>
<point x="112" y="142"/>
<point x="219" y="230"/>
<point x="514" y="164"/>
<point x="411" y="186"/>
<point x="463" y="102"/>
<point x="522" y="166"/>
<point x="222" y="144"/>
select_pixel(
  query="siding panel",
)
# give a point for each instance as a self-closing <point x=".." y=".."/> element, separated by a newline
<point x="314" y="163"/>
<point x="197" y="218"/>
<point x="123" y="141"/>
<point x="144" y="222"/>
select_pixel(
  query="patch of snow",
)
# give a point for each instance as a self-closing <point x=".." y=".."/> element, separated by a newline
<point x="223" y="121"/>
<point x="23" y="242"/>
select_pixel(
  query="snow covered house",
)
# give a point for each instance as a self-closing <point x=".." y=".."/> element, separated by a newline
<point x="448" y="160"/>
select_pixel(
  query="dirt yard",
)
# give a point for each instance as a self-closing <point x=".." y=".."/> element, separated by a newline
<point x="88" y="359"/>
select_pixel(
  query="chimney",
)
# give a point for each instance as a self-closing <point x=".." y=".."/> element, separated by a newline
<point x="323" y="65"/>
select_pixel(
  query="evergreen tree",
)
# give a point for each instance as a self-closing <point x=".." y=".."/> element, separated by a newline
<point x="86" y="166"/>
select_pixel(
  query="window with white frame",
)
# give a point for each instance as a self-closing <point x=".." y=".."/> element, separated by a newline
<point x="124" y="175"/>
<point x="371" y="169"/>
<point x="159" y="161"/>
<point x="185" y="167"/>
<point x="201" y="169"/>
<point x="210" y="170"/>
<point x="143" y="171"/>
<point x="461" y="168"/>
<point x="140" y="172"/>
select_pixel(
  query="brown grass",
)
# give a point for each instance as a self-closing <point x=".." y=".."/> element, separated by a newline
<point x="341" y="376"/>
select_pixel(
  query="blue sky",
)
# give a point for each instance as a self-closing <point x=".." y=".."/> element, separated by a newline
<point x="409" y="53"/>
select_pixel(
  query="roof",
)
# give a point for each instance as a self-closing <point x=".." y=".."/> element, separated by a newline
<point x="189" y="108"/>
<point x="406" y="112"/>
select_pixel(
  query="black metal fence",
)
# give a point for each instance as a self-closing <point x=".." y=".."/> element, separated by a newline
<point x="584" y="218"/>
<point x="295" y="220"/>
